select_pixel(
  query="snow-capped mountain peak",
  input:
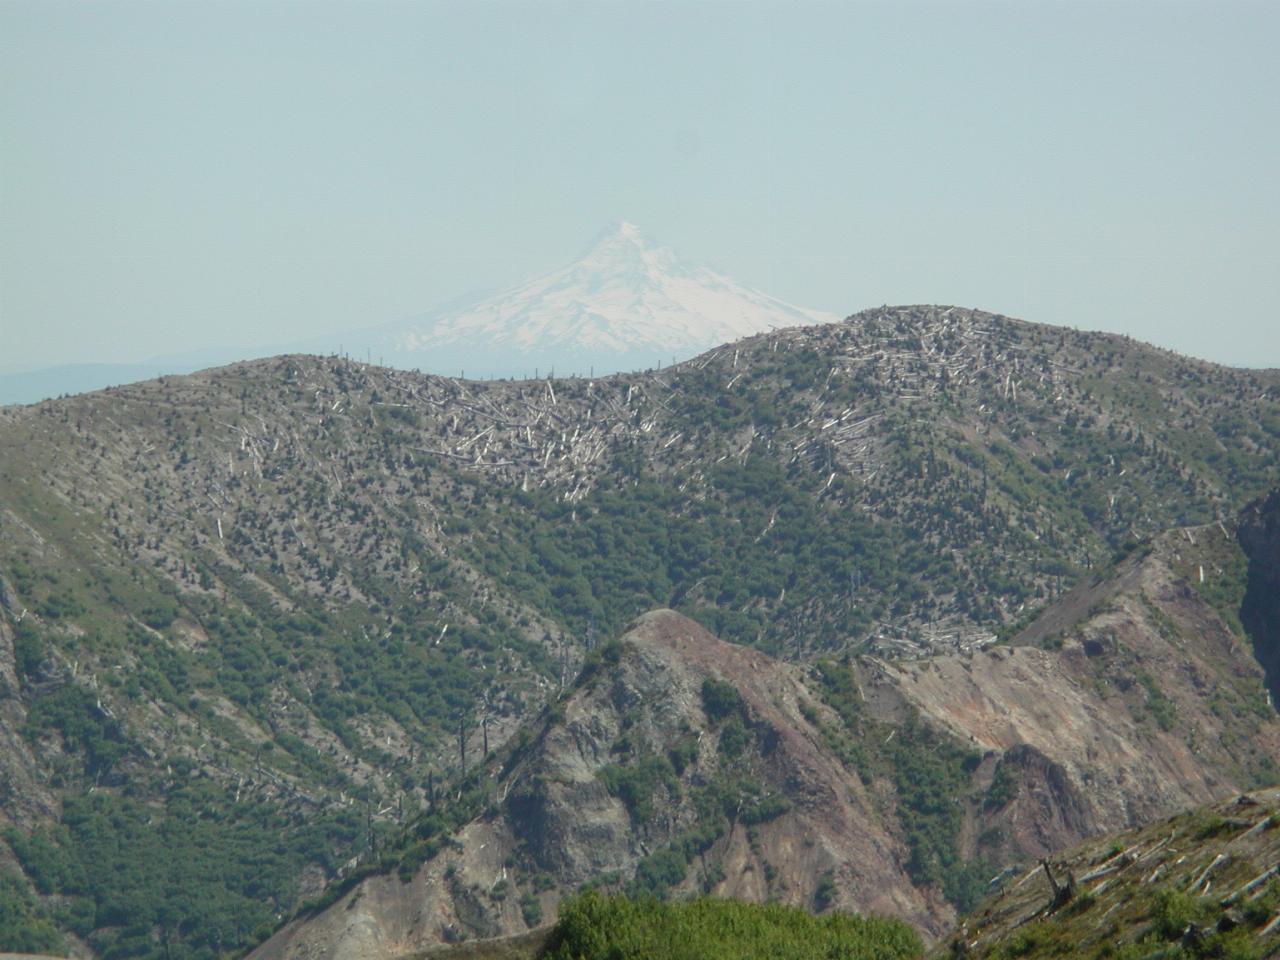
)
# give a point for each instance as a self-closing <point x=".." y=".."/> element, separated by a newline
<point x="628" y="302"/>
<point x="621" y="246"/>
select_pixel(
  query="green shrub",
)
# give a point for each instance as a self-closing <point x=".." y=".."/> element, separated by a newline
<point x="531" y="909"/>
<point x="825" y="893"/>
<point x="1174" y="911"/>
<point x="1004" y="786"/>
<point x="720" y="700"/>
<point x="683" y="753"/>
<point x="634" y="784"/>
<point x="83" y="724"/>
<point x="658" y="872"/>
<point x="733" y="739"/>
<point x="592" y="927"/>
<point x="1161" y="707"/>
<point x="29" y="650"/>
<point x="25" y="925"/>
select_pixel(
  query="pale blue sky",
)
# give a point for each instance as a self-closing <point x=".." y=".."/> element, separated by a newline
<point x="186" y="175"/>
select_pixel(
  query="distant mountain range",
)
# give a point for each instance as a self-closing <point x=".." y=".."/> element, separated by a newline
<point x="629" y="303"/>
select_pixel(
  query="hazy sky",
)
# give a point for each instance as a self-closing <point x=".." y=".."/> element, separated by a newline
<point x="182" y="175"/>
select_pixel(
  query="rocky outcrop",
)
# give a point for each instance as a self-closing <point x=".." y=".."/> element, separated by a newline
<point x="557" y="820"/>
<point x="1136" y="695"/>
<point x="1046" y="806"/>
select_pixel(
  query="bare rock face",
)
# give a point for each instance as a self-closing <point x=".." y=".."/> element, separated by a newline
<point x="1047" y="805"/>
<point x="1130" y="699"/>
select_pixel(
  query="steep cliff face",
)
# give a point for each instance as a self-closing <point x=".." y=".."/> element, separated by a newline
<point x="1130" y="699"/>
<point x="679" y="762"/>
<point x="1259" y="534"/>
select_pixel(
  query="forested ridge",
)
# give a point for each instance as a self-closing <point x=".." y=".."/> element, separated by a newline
<point x="280" y="606"/>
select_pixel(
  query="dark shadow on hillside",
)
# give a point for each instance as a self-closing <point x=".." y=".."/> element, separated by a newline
<point x="1260" y="612"/>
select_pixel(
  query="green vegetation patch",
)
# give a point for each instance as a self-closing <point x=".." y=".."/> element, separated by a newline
<point x="720" y="700"/>
<point x="192" y="880"/>
<point x="592" y="927"/>
<point x="1159" y="705"/>
<point x="932" y="773"/>
<point x="761" y="560"/>
<point x="26" y="925"/>
<point x="634" y="784"/>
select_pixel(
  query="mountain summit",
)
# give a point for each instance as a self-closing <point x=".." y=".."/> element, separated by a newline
<point x="629" y="302"/>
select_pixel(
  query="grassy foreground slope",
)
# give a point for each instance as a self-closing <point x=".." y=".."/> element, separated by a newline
<point x="592" y="927"/>
<point x="1205" y="883"/>
<point x="615" y="928"/>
